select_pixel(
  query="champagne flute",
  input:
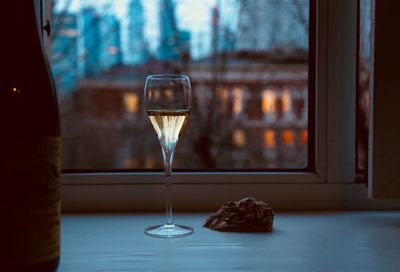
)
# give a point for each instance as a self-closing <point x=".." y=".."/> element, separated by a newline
<point x="167" y="102"/>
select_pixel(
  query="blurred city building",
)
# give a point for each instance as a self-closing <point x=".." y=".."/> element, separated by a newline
<point x="174" y="42"/>
<point x="83" y="46"/>
<point x="250" y="93"/>
<point x="92" y="42"/>
<point x="138" y="47"/>
<point x="64" y="53"/>
<point x="265" y="25"/>
<point x="260" y="110"/>
<point x="223" y="38"/>
<point x="110" y="49"/>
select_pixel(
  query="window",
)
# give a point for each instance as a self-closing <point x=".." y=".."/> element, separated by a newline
<point x="238" y="100"/>
<point x="304" y="136"/>
<point x="269" y="138"/>
<point x="239" y="137"/>
<point x="328" y="184"/>
<point x="248" y="62"/>
<point x="288" y="137"/>
<point x="269" y="104"/>
<point x="131" y="101"/>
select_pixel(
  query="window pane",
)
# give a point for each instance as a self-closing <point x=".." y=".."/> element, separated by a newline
<point x="364" y="69"/>
<point x="248" y="61"/>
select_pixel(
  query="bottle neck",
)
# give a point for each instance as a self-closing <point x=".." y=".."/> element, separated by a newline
<point x="19" y="27"/>
<point x="27" y="90"/>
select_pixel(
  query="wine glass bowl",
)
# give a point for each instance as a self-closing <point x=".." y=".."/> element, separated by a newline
<point x="167" y="103"/>
<point x="167" y="92"/>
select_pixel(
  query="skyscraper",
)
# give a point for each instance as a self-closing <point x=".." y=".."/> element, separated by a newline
<point x="169" y="48"/>
<point x="111" y="53"/>
<point x="137" y="45"/>
<point x="91" y="42"/>
<point x="269" y="24"/>
<point x="64" y="53"/>
<point x="184" y="43"/>
<point x="215" y="28"/>
<point x="222" y="37"/>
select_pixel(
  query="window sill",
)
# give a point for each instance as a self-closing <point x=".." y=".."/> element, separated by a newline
<point x="124" y="178"/>
<point x="299" y="242"/>
<point x="132" y="196"/>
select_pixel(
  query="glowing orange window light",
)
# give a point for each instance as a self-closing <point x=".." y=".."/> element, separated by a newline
<point x="223" y="96"/>
<point x="268" y="101"/>
<point x="239" y="137"/>
<point x="156" y="93"/>
<point x="169" y="94"/>
<point x="304" y="137"/>
<point x="269" y="138"/>
<point x="287" y="137"/>
<point x="113" y="50"/>
<point x="286" y="101"/>
<point x="131" y="102"/>
<point x="237" y="94"/>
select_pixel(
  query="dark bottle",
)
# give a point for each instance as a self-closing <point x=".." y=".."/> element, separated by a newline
<point x="29" y="144"/>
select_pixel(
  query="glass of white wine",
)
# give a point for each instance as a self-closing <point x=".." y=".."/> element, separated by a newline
<point x="167" y="102"/>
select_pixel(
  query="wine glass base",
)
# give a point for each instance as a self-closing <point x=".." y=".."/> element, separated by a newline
<point x="168" y="231"/>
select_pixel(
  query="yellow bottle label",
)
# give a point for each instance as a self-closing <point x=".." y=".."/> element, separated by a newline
<point x="32" y="192"/>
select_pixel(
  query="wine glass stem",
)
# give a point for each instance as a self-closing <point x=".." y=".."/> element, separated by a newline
<point x="168" y="156"/>
<point x="168" y="202"/>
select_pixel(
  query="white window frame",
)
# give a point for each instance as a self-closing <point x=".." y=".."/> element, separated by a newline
<point x="329" y="187"/>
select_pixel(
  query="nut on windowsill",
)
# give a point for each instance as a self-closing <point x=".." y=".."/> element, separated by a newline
<point x="245" y="215"/>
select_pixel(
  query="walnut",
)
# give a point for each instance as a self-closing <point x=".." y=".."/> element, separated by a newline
<point x="245" y="215"/>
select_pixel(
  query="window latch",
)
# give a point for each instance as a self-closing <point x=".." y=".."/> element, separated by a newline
<point x="47" y="28"/>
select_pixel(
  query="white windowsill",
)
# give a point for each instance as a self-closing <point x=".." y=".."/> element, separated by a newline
<point x="206" y="192"/>
<point x="322" y="241"/>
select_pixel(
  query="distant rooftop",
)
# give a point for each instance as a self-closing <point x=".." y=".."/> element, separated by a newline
<point x="243" y="59"/>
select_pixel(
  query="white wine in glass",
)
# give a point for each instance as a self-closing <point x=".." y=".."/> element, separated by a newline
<point x="167" y="102"/>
